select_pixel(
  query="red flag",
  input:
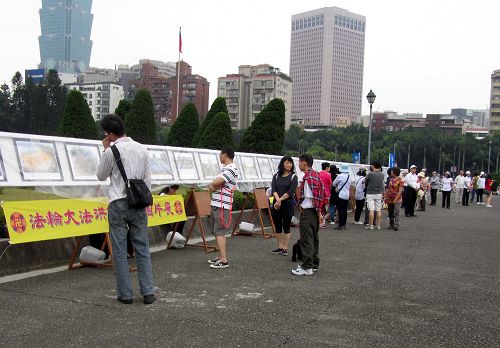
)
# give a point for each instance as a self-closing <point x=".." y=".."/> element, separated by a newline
<point x="180" y="41"/>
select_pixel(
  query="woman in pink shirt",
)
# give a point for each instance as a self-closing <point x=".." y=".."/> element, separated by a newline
<point x="326" y="178"/>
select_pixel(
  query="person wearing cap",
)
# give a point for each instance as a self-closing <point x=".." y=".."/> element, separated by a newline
<point x="374" y="182"/>
<point x="411" y="181"/>
<point x="342" y="186"/>
<point x="393" y="198"/>
<point x="434" y="183"/>
<point x="481" y="185"/>
<point x="447" y="183"/>
<point x="466" y="189"/>
<point x="459" y="181"/>
<point x="422" y="191"/>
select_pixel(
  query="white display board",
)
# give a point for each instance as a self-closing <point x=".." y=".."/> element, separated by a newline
<point x="44" y="161"/>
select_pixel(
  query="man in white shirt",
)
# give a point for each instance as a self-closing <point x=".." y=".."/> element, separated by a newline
<point x="411" y="182"/>
<point x="122" y="219"/>
<point x="459" y="182"/>
<point x="222" y="203"/>
<point x="466" y="189"/>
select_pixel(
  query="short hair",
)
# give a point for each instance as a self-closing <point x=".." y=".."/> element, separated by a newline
<point x="113" y="124"/>
<point x="376" y="164"/>
<point x="396" y="171"/>
<point x="325" y="165"/>
<point x="307" y="158"/>
<point x="281" y="166"/>
<point x="389" y="170"/>
<point x="228" y="151"/>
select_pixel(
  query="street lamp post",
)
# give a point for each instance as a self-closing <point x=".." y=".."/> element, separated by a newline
<point x="394" y="152"/>
<point x="371" y="99"/>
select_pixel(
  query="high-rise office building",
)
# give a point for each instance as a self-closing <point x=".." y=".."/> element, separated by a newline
<point x="495" y="103"/>
<point x="326" y="66"/>
<point x="65" y="43"/>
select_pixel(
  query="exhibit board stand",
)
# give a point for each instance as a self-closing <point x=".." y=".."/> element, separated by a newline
<point x="261" y="203"/>
<point x="198" y="205"/>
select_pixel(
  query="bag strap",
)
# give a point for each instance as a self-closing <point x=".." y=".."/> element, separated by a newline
<point x="119" y="163"/>
<point x="345" y="182"/>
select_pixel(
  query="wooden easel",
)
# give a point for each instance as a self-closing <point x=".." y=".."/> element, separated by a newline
<point x="198" y="205"/>
<point x="261" y="202"/>
<point x="105" y="264"/>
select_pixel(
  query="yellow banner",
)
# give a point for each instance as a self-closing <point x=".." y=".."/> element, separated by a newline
<point x="32" y="221"/>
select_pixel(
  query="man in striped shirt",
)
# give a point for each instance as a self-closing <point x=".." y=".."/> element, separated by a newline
<point x="222" y="205"/>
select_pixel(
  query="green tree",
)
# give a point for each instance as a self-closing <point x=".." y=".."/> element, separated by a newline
<point x="162" y="135"/>
<point x="219" y="105"/>
<point x="185" y="127"/>
<point x="218" y="133"/>
<point x="140" y="121"/>
<point x="124" y="107"/>
<point x="77" y="121"/>
<point x="266" y="134"/>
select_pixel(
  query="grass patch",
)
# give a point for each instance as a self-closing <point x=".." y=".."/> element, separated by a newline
<point x="10" y="194"/>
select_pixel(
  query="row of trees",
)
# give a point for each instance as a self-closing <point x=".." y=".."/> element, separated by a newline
<point x="426" y="148"/>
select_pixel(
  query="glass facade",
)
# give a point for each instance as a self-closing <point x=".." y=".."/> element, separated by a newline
<point x="65" y="43"/>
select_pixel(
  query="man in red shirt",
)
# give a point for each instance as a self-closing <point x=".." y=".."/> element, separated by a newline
<point x="393" y="196"/>
<point x="326" y="178"/>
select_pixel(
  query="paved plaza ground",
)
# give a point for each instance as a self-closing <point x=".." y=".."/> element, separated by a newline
<point x="434" y="283"/>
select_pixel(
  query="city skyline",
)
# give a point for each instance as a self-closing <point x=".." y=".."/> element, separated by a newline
<point x="425" y="57"/>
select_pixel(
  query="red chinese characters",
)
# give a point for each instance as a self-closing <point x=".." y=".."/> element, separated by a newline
<point x="37" y="221"/>
<point x="100" y="214"/>
<point x="158" y="209"/>
<point x="86" y="217"/>
<point x="54" y="219"/>
<point x="70" y="218"/>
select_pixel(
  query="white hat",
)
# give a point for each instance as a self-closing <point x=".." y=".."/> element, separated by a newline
<point x="483" y="173"/>
<point x="344" y="168"/>
<point x="421" y="174"/>
<point x="413" y="166"/>
<point x="467" y="173"/>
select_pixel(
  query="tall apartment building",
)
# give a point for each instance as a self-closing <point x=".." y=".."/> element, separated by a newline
<point x="65" y="43"/>
<point x="326" y="66"/>
<point x="249" y="91"/>
<point x="102" y="97"/>
<point x="122" y="74"/>
<point x="163" y="89"/>
<point x="495" y="103"/>
<point x="165" y="69"/>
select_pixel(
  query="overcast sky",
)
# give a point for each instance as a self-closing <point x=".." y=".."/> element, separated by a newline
<point x="420" y="56"/>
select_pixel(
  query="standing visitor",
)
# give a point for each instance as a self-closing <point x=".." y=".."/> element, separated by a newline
<point x="422" y="191"/>
<point x="333" y="195"/>
<point x="459" y="181"/>
<point x="481" y="185"/>
<point x="341" y="185"/>
<point x="312" y="198"/>
<point x="475" y="178"/>
<point x="123" y="219"/>
<point x="411" y="181"/>
<point x="283" y="188"/>
<point x="447" y="183"/>
<point x="466" y="187"/>
<point x="359" y="182"/>
<point x="326" y="178"/>
<point x="393" y="197"/>
<point x="434" y="183"/>
<point x="488" y="190"/>
<point x="222" y="189"/>
<point x="374" y="183"/>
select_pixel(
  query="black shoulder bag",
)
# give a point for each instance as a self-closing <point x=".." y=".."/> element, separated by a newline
<point x="138" y="194"/>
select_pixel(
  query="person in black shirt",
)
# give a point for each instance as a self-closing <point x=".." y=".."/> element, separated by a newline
<point x="334" y="171"/>
<point x="283" y="190"/>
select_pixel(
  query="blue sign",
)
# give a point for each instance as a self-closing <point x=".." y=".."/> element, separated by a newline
<point x="356" y="157"/>
<point x="36" y="75"/>
<point x="392" y="160"/>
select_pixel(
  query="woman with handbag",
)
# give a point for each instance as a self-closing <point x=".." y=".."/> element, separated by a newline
<point x="283" y="188"/>
<point x="342" y="185"/>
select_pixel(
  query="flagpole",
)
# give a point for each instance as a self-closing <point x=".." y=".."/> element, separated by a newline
<point x="179" y="73"/>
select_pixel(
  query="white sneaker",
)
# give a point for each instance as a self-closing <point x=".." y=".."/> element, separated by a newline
<point x="378" y="227"/>
<point x="489" y="206"/>
<point x="358" y="223"/>
<point x="483" y="203"/>
<point x="369" y="227"/>
<point x="299" y="271"/>
<point x="332" y="223"/>
<point x="478" y="202"/>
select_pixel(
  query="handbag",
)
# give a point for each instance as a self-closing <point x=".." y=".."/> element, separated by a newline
<point x="138" y="194"/>
<point x="340" y="189"/>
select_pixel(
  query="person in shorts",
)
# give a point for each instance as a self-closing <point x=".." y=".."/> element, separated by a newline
<point x="222" y="203"/>
<point x="374" y="183"/>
